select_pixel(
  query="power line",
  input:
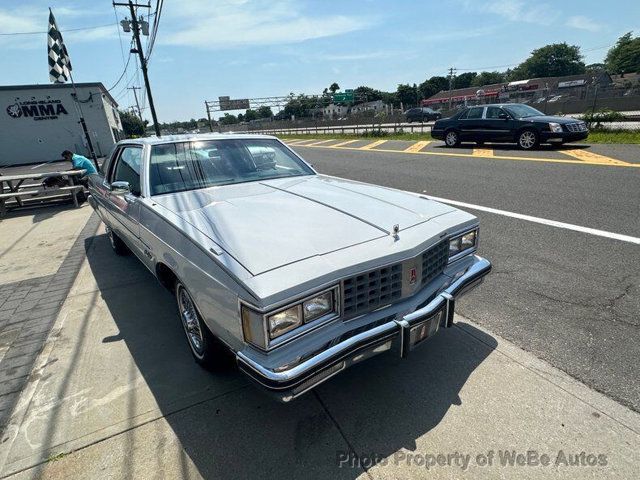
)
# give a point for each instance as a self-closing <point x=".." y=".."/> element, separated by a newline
<point x="64" y="31"/>
<point x="122" y="75"/>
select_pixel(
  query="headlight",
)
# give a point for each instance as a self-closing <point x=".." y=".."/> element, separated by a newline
<point x="284" y="321"/>
<point x="317" y="306"/>
<point x="555" y="127"/>
<point x="261" y="329"/>
<point x="463" y="242"/>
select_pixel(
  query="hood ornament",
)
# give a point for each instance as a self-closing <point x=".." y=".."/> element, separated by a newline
<point x="396" y="229"/>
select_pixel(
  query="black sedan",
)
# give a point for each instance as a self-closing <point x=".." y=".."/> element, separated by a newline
<point x="421" y="114"/>
<point x="511" y="122"/>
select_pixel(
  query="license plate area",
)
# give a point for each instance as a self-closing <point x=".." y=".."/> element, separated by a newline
<point x="425" y="329"/>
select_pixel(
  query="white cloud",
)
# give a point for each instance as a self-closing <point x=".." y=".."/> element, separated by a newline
<point x="31" y="19"/>
<point x="516" y="10"/>
<point x="214" y="25"/>
<point x="583" y="23"/>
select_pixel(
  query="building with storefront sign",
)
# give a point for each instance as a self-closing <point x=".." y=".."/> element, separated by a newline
<point x="38" y="122"/>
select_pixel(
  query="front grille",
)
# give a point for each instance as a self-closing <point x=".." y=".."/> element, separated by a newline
<point x="433" y="261"/>
<point x="369" y="290"/>
<point x="577" y="127"/>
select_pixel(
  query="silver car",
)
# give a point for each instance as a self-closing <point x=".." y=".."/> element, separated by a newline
<point x="300" y="275"/>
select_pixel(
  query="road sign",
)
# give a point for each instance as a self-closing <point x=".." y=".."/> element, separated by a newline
<point x="239" y="104"/>
<point x="343" y="97"/>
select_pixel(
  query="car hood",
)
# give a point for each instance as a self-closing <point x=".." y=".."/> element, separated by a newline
<point x="551" y="118"/>
<point x="269" y="224"/>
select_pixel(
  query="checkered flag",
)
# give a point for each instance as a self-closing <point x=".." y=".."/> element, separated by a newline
<point x="59" y="62"/>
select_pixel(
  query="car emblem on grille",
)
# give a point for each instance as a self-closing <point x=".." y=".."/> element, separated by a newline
<point x="413" y="275"/>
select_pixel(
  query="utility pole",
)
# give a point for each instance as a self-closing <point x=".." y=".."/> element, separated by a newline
<point x="143" y="63"/>
<point x="452" y="71"/>
<point x="135" y="95"/>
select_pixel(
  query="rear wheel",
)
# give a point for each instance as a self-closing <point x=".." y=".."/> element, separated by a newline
<point x="117" y="244"/>
<point x="452" y="139"/>
<point x="206" y="351"/>
<point x="528" y="139"/>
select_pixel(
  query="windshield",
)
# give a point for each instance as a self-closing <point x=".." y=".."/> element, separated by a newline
<point x="522" y="111"/>
<point x="176" y="167"/>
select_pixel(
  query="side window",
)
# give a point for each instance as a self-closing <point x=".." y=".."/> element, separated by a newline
<point x="474" y="113"/>
<point x="494" y="112"/>
<point x="127" y="168"/>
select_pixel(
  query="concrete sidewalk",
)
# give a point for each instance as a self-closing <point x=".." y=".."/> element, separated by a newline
<point x="116" y="394"/>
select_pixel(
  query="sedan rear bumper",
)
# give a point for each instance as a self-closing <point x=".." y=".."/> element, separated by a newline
<point x="398" y="334"/>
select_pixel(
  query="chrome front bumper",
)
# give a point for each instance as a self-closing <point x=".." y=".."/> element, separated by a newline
<point x="289" y="383"/>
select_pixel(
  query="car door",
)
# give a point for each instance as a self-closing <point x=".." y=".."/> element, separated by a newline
<point x="125" y="209"/>
<point x="497" y="124"/>
<point x="471" y="124"/>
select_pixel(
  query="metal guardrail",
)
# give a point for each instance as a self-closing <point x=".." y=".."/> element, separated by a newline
<point x="346" y="129"/>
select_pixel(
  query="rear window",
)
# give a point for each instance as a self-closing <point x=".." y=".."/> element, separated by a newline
<point x="176" y="167"/>
<point x="473" y="113"/>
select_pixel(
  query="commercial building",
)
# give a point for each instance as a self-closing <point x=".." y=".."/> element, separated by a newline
<point x="38" y="122"/>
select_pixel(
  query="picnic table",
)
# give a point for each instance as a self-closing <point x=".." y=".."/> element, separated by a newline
<point x="13" y="184"/>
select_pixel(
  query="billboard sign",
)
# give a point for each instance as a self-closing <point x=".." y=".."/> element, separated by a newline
<point x="226" y="103"/>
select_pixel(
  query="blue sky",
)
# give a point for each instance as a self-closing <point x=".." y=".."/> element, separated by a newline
<point x="244" y="48"/>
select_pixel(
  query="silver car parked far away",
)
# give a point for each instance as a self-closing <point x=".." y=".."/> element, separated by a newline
<point x="300" y="275"/>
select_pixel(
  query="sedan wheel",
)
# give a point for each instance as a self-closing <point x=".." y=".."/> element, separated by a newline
<point x="191" y="322"/>
<point x="116" y="242"/>
<point x="528" y="140"/>
<point x="452" y="139"/>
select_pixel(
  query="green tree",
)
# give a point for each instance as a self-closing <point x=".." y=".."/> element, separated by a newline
<point x="250" y="115"/>
<point x="367" y="94"/>
<point x="488" y="78"/>
<point x="624" y="56"/>
<point x="433" y="85"/>
<point x="228" y="119"/>
<point x="264" y="112"/>
<point x="131" y="124"/>
<point x="554" y="60"/>
<point x="464" y="80"/>
<point x="407" y="94"/>
<point x="334" y="87"/>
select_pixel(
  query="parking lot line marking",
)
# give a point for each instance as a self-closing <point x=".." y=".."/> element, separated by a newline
<point x="320" y="142"/>
<point x="304" y="141"/>
<point x="483" y="152"/>
<point x="591" y="157"/>
<point x="416" y="147"/>
<point x="543" y="221"/>
<point x="342" y="143"/>
<point x="372" y="145"/>
<point x="495" y="157"/>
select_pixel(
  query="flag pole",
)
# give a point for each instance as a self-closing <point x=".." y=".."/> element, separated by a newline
<point x="65" y="67"/>
<point x="82" y="122"/>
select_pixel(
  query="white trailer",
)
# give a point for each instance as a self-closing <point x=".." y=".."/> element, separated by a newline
<point x="38" y="122"/>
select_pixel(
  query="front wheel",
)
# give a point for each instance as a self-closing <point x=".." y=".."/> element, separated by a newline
<point x="452" y="139"/>
<point x="528" y="140"/>
<point x="202" y="343"/>
<point x="118" y="246"/>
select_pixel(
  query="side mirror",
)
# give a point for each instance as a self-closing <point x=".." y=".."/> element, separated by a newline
<point x="120" y="188"/>
<point x="503" y="116"/>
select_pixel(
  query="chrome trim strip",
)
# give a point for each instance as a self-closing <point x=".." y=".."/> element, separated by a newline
<point x="337" y="352"/>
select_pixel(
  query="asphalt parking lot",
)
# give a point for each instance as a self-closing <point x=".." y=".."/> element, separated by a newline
<point x="114" y="391"/>
<point x="570" y="297"/>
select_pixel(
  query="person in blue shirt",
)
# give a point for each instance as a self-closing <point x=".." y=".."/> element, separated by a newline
<point x="79" y="162"/>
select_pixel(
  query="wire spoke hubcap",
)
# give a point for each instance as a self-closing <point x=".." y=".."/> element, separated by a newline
<point x="190" y="321"/>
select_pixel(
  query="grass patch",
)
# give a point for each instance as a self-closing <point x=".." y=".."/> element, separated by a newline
<point x="614" y="136"/>
<point x="595" y="136"/>
<point x="55" y="458"/>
